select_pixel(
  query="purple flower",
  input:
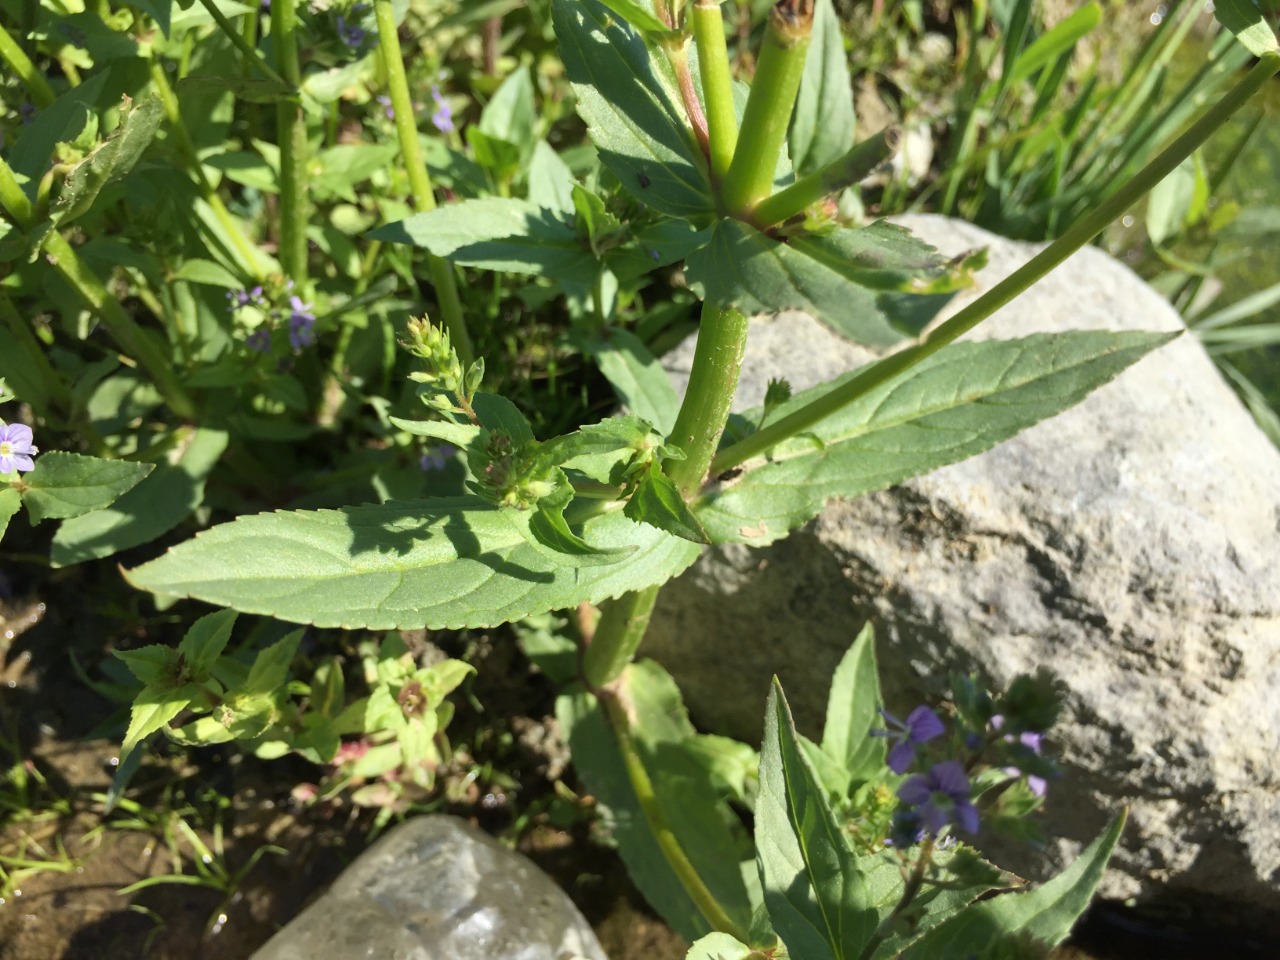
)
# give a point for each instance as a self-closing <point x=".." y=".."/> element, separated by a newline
<point x="921" y="726"/>
<point x="351" y="34"/>
<point x="438" y="458"/>
<point x="302" y="324"/>
<point x="941" y="796"/>
<point x="244" y="298"/>
<point x="16" y="449"/>
<point x="259" y="341"/>
<point x="1031" y="741"/>
<point x="389" y="110"/>
<point x="443" y="117"/>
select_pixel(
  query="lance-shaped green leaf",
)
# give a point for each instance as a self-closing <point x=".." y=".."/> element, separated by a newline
<point x="638" y="16"/>
<point x="853" y="711"/>
<point x="152" y="710"/>
<point x="204" y="642"/>
<point x="109" y="162"/>
<point x="549" y="528"/>
<point x="602" y="451"/>
<point x="853" y="280"/>
<point x="1247" y="22"/>
<point x="639" y="125"/>
<point x="10" y="502"/>
<point x="690" y="801"/>
<point x="155" y="506"/>
<point x="824" y="900"/>
<point x="817" y="897"/>
<point x="499" y="233"/>
<point x="1039" y="919"/>
<point x="461" y="435"/>
<point x="67" y="485"/>
<point x="636" y="376"/>
<point x="448" y="563"/>
<point x="657" y="502"/>
<point x="720" y="946"/>
<point x="822" y="126"/>
<point x="961" y="401"/>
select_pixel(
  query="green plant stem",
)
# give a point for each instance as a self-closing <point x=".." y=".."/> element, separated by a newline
<point x="832" y="178"/>
<point x="713" y="381"/>
<point x="622" y="626"/>
<point x="909" y="893"/>
<point x="243" y="249"/>
<point x="685" y="872"/>
<point x="717" y="360"/>
<point x="1075" y="237"/>
<point x="424" y="199"/>
<point x="251" y="55"/>
<point x="291" y="128"/>
<point x="37" y="86"/>
<point x="773" y="97"/>
<point x="12" y="197"/>
<point x="132" y="339"/>
<point x="717" y="85"/>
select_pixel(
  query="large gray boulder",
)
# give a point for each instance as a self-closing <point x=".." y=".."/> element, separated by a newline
<point x="1132" y="544"/>
<point x="436" y="888"/>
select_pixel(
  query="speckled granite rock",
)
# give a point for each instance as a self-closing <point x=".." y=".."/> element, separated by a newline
<point x="436" y="888"/>
<point x="1132" y="543"/>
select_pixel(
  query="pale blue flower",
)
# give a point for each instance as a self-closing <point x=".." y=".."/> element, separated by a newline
<point x="16" y="448"/>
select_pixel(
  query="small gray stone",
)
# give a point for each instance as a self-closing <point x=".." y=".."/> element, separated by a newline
<point x="1131" y="544"/>
<point x="436" y="888"/>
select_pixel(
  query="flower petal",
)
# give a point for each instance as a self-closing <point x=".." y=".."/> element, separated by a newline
<point x="924" y="724"/>
<point x="19" y="434"/>
<point x="933" y="817"/>
<point x="950" y="778"/>
<point x="967" y="817"/>
<point x="901" y="755"/>
<point x="916" y="790"/>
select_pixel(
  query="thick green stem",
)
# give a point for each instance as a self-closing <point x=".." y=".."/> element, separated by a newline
<point x="717" y="85"/>
<point x="38" y="88"/>
<point x="251" y="55"/>
<point x="667" y="842"/>
<point x="622" y="626"/>
<point x="291" y="130"/>
<point x="242" y="247"/>
<point x="768" y="113"/>
<point x="424" y="199"/>
<point x="1075" y="237"/>
<point x="717" y="360"/>
<point x="832" y="178"/>
<point x="122" y="327"/>
<point x="15" y="202"/>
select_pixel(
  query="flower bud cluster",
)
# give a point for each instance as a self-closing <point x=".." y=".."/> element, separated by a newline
<point x="445" y="385"/>
<point x="513" y="475"/>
